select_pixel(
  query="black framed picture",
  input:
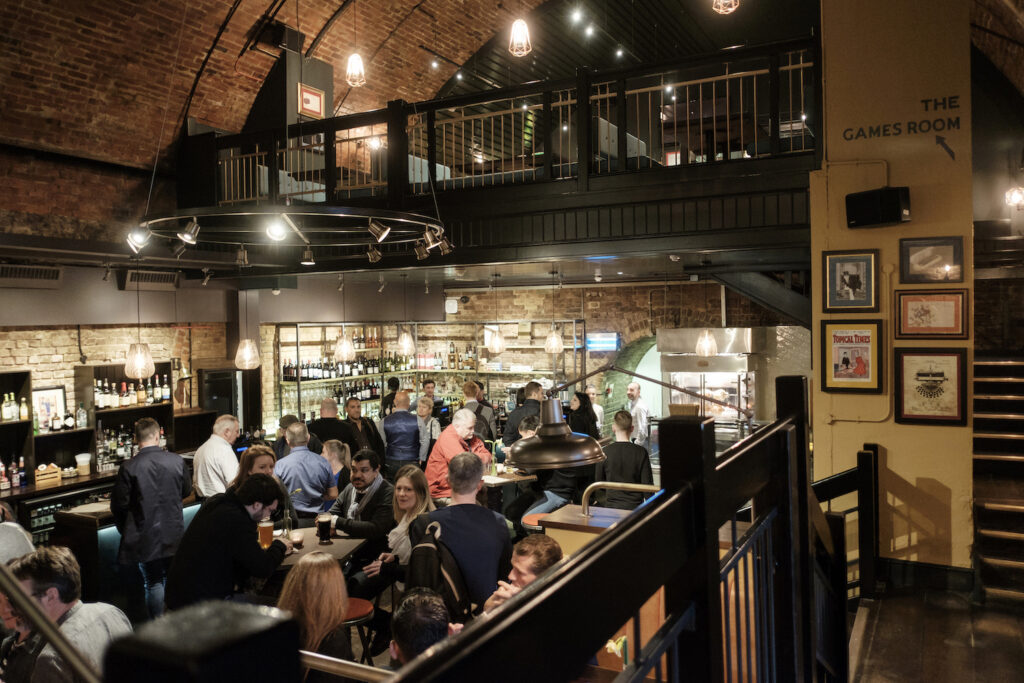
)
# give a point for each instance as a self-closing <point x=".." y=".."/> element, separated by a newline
<point x="849" y="281"/>
<point x="931" y="259"/>
<point x="931" y="313"/>
<point x="931" y="386"/>
<point x="851" y="356"/>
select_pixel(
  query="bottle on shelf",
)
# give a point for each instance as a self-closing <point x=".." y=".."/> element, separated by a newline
<point x="165" y="390"/>
<point x="108" y="401"/>
<point x="97" y="395"/>
<point x="81" y="417"/>
<point x="21" y="468"/>
<point x="140" y="394"/>
<point x="4" y="481"/>
<point x="23" y="409"/>
<point x="15" y="474"/>
<point x="69" y="420"/>
<point x="5" y="408"/>
<point x="149" y="392"/>
<point x="123" y="397"/>
<point x="56" y="423"/>
<point x="163" y="442"/>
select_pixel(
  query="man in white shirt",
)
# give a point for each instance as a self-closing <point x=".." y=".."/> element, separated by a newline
<point x="641" y="417"/>
<point x="215" y="464"/>
<point x="598" y="410"/>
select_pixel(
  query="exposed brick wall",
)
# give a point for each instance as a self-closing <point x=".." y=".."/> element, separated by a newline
<point x="51" y="353"/>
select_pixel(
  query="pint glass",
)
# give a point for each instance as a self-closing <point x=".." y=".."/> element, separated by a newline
<point x="323" y="528"/>
<point x="266" y="531"/>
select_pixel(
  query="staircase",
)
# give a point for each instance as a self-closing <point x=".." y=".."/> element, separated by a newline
<point x="999" y="477"/>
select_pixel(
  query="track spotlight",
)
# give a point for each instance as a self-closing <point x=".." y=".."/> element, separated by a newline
<point x="106" y="274"/>
<point x="373" y="253"/>
<point x="242" y="257"/>
<point x="421" y="251"/>
<point x="179" y="250"/>
<point x="430" y="238"/>
<point x="276" y="229"/>
<point x="341" y="283"/>
<point x="446" y="247"/>
<point x="191" y="232"/>
<point x="207" y="274"/>
<point x="307" y="257"/>
<point x="378" y="230"/>
<point x="426" y="285"/>
<point x="138" y="237"/>
<point x="383" y="284"/>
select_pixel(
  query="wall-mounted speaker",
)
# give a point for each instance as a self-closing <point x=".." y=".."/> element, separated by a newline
<point x="884" y="206"/>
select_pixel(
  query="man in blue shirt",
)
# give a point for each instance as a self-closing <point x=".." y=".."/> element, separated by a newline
<point x="402" y="436"/>
<point x="306" y="476"/>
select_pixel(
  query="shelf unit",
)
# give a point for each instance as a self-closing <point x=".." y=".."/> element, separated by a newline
<point x="16" y="435"/>
<point x="301" y="342"/>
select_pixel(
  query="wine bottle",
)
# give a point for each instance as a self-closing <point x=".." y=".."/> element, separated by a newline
<point x="140" y="394"/>
<point x="165" y="390"/>
<point x="23" y="409"/>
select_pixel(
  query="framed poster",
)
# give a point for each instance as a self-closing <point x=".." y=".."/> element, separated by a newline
<point x="849" y="281"/>
<point x="311" y="101"/>
<point x="47" y="400"/>
<point x="932" y="259"/>
<point x="931" y="386"/>
<point x="931" y="314"/>
<point x="851" y="357"/>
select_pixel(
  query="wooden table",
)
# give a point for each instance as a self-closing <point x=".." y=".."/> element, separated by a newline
<point x="496" y="487"/>
<point x="341" y="548"/>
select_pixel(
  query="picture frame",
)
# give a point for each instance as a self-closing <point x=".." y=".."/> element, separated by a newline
<point x="849" y="281"/>
<point x="931" y="259"/>
<point x="311" y="102"/>
<point x="931" y="314"/>
<point x="45" y="400"/>
<point x="851" y="356"/>
<point x="931" y="386"/>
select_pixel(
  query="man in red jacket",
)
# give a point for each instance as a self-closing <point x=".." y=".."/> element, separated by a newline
<point x="458" y="437"/>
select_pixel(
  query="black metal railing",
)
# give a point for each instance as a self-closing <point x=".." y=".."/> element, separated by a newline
<point x="732" y="105"/>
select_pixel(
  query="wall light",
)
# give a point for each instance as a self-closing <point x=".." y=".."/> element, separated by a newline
<point x="1015" y="197"/>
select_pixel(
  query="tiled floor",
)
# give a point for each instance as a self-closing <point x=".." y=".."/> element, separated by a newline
<point x="937" y="636"/>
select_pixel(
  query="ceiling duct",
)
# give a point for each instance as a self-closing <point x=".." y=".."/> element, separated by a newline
<point x="30" y="277"/>
<point x="148" y="280"/>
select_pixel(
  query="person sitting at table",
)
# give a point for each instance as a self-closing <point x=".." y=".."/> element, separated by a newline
<point x="625" y="462"/>
<point x="306" y="476"/>
<point x="281" y="447"/>
<point x="364" y="510"/>
<point x="458" y="437"/>
<point x="531" y="557"/>
<point x="339" y="457"/>
<point x="528" y="491"/>
<point x="260" y="459"/>
<point x="14" y="540"/>
<point x="220" y="549"/>
<point x="420" y="621"/>
<point x="477" y="537"/>
<point x="20" y="646"/>
<point x="314" y="592"/>
<point x="402" y="436"/>
<point x="430" y="428"/>
<point x="412" y="498"/>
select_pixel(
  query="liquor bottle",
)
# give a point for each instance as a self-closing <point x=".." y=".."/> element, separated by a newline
<point x="163" y="442"/>
<point x="15" y="474"/>
<point x="451" y="356"/>
<point x="5" y="408"/>
<point x="97" y="395"/>
<point x="108" y="400"/>
<point x="165" y="390"/>
<point x="69" y="420"/>
<point x="21" y="468"/>
<point x="131" y="395"/>
<point x="56" y="420"/>
<point x="23" y="409"/>
<point x="123" y="397"/>
<point x="4" y="481"/>
<point x="81" y="417"/>
<point x="140" y="394"/>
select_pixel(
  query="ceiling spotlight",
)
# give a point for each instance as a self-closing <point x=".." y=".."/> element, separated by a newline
<point x="275" y="291"/>
<point x="378" y="230"/>
<point x="803" y="117"/>
<point x="524" y="106"/>
<point x="276" y="229"/>
<point x="307" y="257"/>
<point x="619" y="53"/>
<point x="673" y="98"/>
<point x="421" y="251"/>
<point x="341" y="283"/>
<point x="207" y="274"/>
<point x="138" y="237"/>
<point x="565" y="126"/>
<point x="106" y="274"/>
<point x="668" y="89"/>
<point x="241" y="257"/>
<point x="597" y="275"/>
<point x="458" y="75"/>
<point x="577" y="15"/>
<point x="434" y="64"/>
<point x="430" y="239"/>
<point x="375" y="142"/>
<point x="191" y="232"/>
<point x="373" y="253"/>
<point x="446" y="247"/>
<point x="383" y="284"/>
<point x="590" y="30"/>
<point x="179" y="250"/>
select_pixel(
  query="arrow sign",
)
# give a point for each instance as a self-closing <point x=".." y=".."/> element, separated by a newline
<point x="941" y="142"/>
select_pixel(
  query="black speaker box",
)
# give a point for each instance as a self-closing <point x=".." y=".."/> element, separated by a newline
<point x="884" y="206"/>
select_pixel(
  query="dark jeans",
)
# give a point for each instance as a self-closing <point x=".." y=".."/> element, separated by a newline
<point x="391" y="467"/>
<point x="154" y="576"/>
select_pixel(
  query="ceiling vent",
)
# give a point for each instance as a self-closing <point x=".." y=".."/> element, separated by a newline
<point x="148" y="280"/>
<point x="31" y="277"/>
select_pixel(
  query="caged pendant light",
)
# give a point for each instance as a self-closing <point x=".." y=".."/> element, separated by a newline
<point x="355" y="74"/>
<point x="406" y="345"/>
<point x="496" y="342"/>
<point x="725" y="6"/>
<point x="519" y="40"/>
<point x="553" y="342"/>
<point x="247" y="357"/>
<point x="138" y="363"/>
<point x="344" y="349"/>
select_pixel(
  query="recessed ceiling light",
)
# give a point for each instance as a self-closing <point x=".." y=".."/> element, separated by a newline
<point x="577" y="15"/>
<point x="590" y="30"/>
<point x="619" y="53"/>
<point x="619" y="273"/>
<point x="565" y="126"/>
<point x="458" y="76"/>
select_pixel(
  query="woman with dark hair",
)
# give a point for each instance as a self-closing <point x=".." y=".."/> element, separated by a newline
<point x="260" y="460"/>
<point x="582" y="418"/>
<point x="314" y="592"/>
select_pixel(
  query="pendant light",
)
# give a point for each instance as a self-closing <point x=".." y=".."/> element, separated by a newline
<point x="554" y="445"/>
<point x="355" y="74"/>
<point x="725" y="6"/>
<point x="138" y="364"/>
<point x="553" y="342"/>
<point x="344" y="349"/>
<point x="519" y="41"/>
<point x="406" y="345"/>
<point x="707" y="346"/>
<point x="247" y="357"/>
<point x="496" y="343"/>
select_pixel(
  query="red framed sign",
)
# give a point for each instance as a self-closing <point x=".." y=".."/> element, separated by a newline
<point x="311" y="101"/>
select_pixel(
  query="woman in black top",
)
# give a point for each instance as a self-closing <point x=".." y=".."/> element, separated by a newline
<point x="626" y="462"/>
<point x="582" y="418"/>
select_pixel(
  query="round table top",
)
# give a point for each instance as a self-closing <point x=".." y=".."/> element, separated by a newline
<point x="341" y="548"/>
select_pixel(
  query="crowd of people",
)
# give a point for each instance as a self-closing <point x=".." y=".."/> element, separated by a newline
<point x="404" y="486"/>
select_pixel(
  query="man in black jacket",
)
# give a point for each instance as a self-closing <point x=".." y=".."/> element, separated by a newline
<point x="328" y="426"/>
<point x="220" y="550"/>
<point x="362" y="432"/>
<point x="363" y="509"/>
<point x="146" y="504"/>
<point x="531" y="406"/>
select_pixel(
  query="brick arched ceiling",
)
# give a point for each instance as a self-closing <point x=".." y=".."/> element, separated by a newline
<point x="997" y="29"/>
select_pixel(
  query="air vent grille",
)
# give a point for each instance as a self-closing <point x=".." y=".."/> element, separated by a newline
<point x="30" y="277"/>
<point x="149" y="280"/>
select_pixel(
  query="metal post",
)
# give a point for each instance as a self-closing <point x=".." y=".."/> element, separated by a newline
<point x="398" y="154"/>
<point x="330" y="165"/>
<point x="546" y="125"/>
<point x="867" y="519"/>
<point x="774" y="93"/>
<point x="839" y="650"/>
<point x="583" y="132"/>
<point x="432" y="149"/>
<point x="621" y="109"/>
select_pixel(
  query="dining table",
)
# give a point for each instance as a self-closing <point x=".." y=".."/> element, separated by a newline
<point x="340" y="548"/>
<point x="497" y="485"/>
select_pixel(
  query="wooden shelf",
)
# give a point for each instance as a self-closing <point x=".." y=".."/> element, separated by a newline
<point x="32" y="491"/>
<point x="151" y="406"/>
<point x="13" y="423"/>
<point x="79" y="430"/>
<point x="333" y="380"/>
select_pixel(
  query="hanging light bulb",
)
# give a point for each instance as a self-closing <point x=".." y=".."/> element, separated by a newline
<point x="355" y="74"/>
<point x="553" y="342"/>
<point x="138" y="364"/>
<point x="519" y="42"/>
<point x="496" y="344"/>
<point x="706" y="344"/>
<point x="406" y="346"/>
<point x="344" y="349"/>
<point x="725" y="6"/>
<point x="248" y="355"/>
<point x="1015" y="197"/>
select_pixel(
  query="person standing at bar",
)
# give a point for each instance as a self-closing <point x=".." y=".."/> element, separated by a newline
<point x="485" y="427"/>
<point x="281" y="447"/>
<point x="146" y="504"/>
<point x="430" y="428"/>
<point x="626" y="462"/>
<point x="582" y="418"/>
<point x="402" y="432"/>
<point x="387" y="404"/>
<point x="531" y="406"/>
<point x="328" y="426"/>
<point x="598" y="410"/>
<point x="306" y="476"/>
<point x="363" y="433"/>
<point x="641" y="417"/>
<point x="215" y="463"/>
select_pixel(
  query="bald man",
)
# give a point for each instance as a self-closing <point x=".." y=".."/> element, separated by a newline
<point x="401" y="436"/>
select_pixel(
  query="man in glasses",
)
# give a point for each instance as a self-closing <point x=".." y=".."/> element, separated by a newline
<point x="52" y="576"/>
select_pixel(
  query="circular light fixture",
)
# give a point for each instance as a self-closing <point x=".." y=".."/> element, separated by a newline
<point x="519" y="41"/>
<point x="355" y="74"/>
<point x="276" y="229"/>
<point x="554" y="445"/>
<point x="725" y="6"/>
<point x="248" y="355"/>
<point x="191" y="232"/>
<point x="307" y="257"/>
<point x="138" y="364"/>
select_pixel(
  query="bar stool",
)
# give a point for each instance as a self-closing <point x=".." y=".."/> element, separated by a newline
<point x="359" y="613"/>
<point x="532" y="522"/>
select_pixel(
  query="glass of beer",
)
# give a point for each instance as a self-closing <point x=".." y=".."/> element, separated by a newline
<point x="323" y="528"/>
<point x="266" y="531"/>
<point x="296" y="538"/>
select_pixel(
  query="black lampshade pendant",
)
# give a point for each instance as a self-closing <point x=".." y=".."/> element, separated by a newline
<point x="555" y="445"/>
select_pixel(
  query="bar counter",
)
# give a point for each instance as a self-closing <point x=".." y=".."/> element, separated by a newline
<point x="15" y="495"/>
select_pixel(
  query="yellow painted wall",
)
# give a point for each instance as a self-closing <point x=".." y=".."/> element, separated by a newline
<point x="882" y="59"/>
